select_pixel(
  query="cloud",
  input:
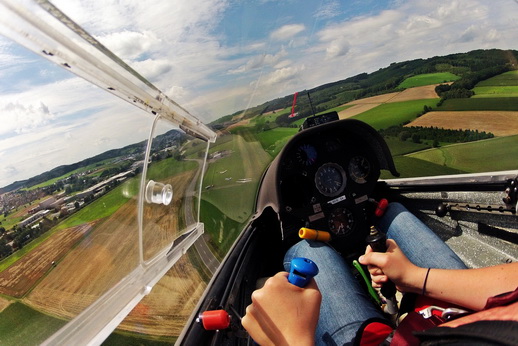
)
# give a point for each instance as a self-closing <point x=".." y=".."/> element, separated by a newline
<point x="328" y="10"/>
<point x="260" y="60"/>
<point x="23" y="118"/>
<point x="287" y="32"/>
<point x="282" y="75"/>
<point x="338" y="47"/>
<point x="130" y="44"/>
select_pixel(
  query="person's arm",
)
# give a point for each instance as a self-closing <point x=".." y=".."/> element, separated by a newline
<point x="282" y="313"/>
<point x="469" y="288"/>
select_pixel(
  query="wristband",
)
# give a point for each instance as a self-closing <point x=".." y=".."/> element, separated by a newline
<point x="425" y="280"/>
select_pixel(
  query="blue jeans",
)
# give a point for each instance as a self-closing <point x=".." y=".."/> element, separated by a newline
<point x="345" y="304"/>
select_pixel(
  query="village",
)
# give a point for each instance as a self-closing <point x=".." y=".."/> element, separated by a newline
<point x="29" y="213"/>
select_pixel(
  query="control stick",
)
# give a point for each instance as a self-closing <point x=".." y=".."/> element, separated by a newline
<point x="301" y="271"/>
<point x="378" y="242"/>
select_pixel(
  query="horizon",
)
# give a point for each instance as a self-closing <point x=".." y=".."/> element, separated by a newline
<point x="214" y="65"/>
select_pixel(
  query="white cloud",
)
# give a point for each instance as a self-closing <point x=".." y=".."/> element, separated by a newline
<point x="130" y="44"/>
<point x="287" y="31"/>
<point x="328" y="9"/>
<point x="282" y="75"/>
<point x="338" y="47"/>
<point x="260" y="60"/>
<point x="23" y="118"/>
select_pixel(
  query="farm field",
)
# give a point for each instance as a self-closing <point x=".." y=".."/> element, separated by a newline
<point x="480" y="104"/>
<point x="428" y="79"/>
<point x="500" y="123"/>
<point x="409" y="167"/>
<point x="495" y="91"/>
<point x="481" y="156"/>
<point x="111" y="240"/>
<point x="15" y="319"/>
<point x="19" y="278"/>
<point x="509" y="78"/>
<point x="273" y="140"/>
<point x="166" y="309"/>
<point x="388" y="114"/>
<point x="247" y="160"/>
<point x="503" y="85"/>
<point x="361" y="106"/>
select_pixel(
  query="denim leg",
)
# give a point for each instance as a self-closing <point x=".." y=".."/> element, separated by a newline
<point x="418" y="242"/>
<point x="345" y="304"/>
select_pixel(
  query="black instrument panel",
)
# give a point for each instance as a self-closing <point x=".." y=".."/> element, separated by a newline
<point x="325" y="180"/>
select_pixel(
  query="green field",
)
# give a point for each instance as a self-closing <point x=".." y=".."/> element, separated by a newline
<point x="264" y="118"/>
<point x="222" y="229"/>
<point x="398" y="147"/>
<point x="247" y="160"/>
<point x="481" y="156"/>
<point x="21" y="325"/>
<point x="410" y="167"/>
<point x="104" y="206"/>
<point x="274" y="140"/>
<point x="480" y="104"/>
<point x="388" y="114"/>
<point x="496" y="91"/>
<point x="428" y="79"/>
<point x="505" y="79"/>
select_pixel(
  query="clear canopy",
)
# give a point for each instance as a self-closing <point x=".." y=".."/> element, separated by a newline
<point x="134" y="134"/>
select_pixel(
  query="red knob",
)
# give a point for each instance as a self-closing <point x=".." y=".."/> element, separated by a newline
<point x="214" y="319"/>
<point x="382" y="206"/>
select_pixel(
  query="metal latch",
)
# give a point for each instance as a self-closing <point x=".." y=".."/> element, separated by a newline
<point x="446" y="313"/>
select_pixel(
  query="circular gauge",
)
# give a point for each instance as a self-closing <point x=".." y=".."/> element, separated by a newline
<point x="330" y="179"/>
<point x="359" y="169"/>
<point x="341" y="221"/>
<point x="306" y="154"/>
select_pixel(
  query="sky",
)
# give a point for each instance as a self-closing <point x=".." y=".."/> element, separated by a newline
<point x="217" y="57"/>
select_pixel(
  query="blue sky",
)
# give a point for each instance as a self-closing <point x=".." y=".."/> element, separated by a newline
<point x="217" y="57"/>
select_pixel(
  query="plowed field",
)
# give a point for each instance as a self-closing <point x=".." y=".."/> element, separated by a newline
<point x="18" y="279"/>
<point x="110" y="252"/>
<point x="500" y="123"/>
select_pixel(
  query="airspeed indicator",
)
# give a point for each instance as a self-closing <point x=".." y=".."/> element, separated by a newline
<point x="330" y="179"/>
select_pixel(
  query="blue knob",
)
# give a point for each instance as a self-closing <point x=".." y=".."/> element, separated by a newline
<point x="301" y="271"/>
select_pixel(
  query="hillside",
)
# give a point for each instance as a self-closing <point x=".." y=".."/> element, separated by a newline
<point x="465" y="68"/>
<point x="136" y="149"/>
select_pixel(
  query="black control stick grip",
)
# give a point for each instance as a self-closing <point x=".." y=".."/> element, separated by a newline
<point x="378" y="242"/>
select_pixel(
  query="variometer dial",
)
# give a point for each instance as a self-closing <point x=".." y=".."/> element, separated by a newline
<point x="359" y="169"/>
<point x="330" y="179"/>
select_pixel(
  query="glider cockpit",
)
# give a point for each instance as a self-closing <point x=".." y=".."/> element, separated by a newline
<point x="324" y="180"/>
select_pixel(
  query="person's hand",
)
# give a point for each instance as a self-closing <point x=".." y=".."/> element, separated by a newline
<point x="282" y="313"/>
<point x="393" y="265"/>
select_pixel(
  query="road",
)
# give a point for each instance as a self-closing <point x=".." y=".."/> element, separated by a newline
<point x="207" y="257"/>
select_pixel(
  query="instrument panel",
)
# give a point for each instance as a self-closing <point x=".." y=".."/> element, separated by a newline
<point x="325" y="182"/>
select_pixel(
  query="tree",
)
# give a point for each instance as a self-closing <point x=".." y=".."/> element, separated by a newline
<point x="416" y="138"/>
<point x="404" y="135"/>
